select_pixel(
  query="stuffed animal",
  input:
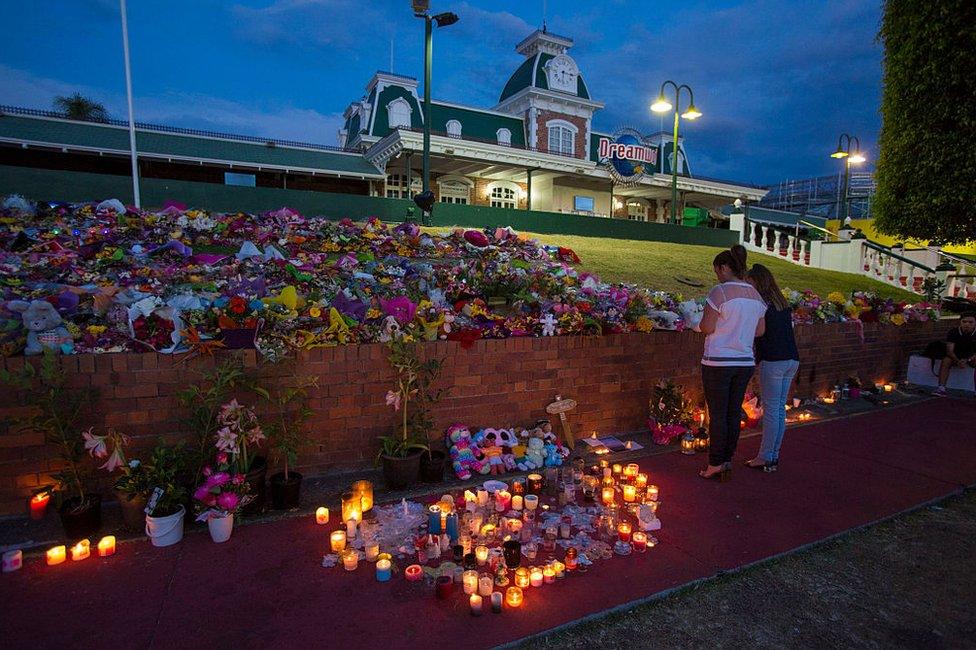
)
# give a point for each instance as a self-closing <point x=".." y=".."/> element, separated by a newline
<point x="555" y="452"/>
<point x="507" y="440"/>
<point x="535" y="449"/>
<point x="464" y="454"/>
<point x="45" y="329"/>
<point x="492" y="450"/>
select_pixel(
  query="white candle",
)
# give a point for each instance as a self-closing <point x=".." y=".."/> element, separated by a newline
<point x="482" y="497"/>
<point x="469" y="580"/>
<point x="351" y="529"/>
<point x="338" y="541"/>
<point x="535" y="577"/>
<point x="517" y="502"/>
<point x="372" y="551"/>
<point x="322" y="516"/>
<point x="350" y="560"/>
<point x="13" y="560"/>
<point x="486" y="584"/>
<point x="476" y="604"/>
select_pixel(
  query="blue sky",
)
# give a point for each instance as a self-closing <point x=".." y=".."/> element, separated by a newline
<point x="777" y="80"/>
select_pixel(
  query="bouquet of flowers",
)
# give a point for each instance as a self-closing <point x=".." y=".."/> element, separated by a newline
<point x="225" y="488"/>
<point x="671" y="413"/>
<point x="154" y="330"/>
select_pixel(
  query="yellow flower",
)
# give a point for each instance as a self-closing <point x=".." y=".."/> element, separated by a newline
<point x="836" y="297"/>
<point x="644" y="324"/>
<point x="314" y="312"/>
<point x="95" y="330"/>
<point x="897" y="319"/>
<point x="373" y="313"/>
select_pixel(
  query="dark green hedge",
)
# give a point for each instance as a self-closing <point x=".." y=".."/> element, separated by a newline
<point x="926" y="170"/>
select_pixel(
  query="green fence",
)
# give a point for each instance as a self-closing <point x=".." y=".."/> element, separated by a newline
<point x="43" y="184"/>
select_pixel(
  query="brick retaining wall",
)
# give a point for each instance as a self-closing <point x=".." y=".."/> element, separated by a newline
<point x="495" y="383"/>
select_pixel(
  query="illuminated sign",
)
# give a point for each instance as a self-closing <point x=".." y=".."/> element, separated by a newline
<point x="627" y="157"/>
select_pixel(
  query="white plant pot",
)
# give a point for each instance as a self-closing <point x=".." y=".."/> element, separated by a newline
<point x="165" y="531"/>
<point x="221" y="528"/>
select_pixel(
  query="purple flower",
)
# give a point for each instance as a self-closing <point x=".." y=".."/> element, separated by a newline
<point x="476" y="238"/>
<point x="220" y="478"/>
<point x="350" y="306"/>
<point x="228" y="500"/>
<point x="401" y="308"/>
<point x="202" y="492"/>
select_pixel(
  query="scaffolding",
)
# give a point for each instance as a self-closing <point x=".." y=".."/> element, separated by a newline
<point x="822" y="196"/>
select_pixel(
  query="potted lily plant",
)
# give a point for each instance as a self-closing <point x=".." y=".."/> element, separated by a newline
<point x="131" y="488"/>
<point x="55" y="410"/>
<point x="165" y="475"/>
<point x="287" y="437"/>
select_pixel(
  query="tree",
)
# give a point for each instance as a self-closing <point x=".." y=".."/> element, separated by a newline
<point x="926" y="170"/>
<point x="76" y="107"/>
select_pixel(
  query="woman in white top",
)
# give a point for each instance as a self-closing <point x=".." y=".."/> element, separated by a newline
<point x="733" y="318"/>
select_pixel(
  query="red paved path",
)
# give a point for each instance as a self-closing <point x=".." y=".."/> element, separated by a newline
<point x="265" y="587"/>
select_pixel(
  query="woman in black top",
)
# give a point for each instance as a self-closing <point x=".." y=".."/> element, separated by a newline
<point x="776" y="351"/>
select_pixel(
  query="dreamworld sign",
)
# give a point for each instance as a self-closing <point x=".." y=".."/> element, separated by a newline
<point x="626" y="156"/>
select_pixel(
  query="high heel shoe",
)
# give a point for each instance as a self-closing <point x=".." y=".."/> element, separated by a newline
<point x="762" y="466"/>
<point x="722" y="476"/>
<point x="771" y="466"/>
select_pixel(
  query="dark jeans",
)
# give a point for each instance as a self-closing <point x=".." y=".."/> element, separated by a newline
<point x="725" y="387"/>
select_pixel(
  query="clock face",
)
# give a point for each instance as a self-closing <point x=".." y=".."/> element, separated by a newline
<point x="562" y="73"/>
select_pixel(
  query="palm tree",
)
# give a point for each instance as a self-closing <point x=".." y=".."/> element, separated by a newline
<point x="76" y="107"/>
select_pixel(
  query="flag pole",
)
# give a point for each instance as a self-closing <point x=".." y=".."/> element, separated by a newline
<point x="128" y="94"/>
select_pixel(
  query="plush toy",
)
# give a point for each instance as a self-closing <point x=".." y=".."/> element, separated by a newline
<point x="508" y="441"/>
<point x="535" y="449"/>
<point x="464" y="454"/>
<point x="45" y="329"/>
<point x="492" y="450"/>
<point x="555" y="452"/>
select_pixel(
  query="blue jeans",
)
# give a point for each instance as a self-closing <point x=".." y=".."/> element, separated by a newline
<point x="775" y="378"/>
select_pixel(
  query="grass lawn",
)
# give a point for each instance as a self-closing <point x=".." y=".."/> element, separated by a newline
<point x="657" y="265"/>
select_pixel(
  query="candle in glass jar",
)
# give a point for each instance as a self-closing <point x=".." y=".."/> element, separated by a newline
<point x="383" y="570"/>
<point x="365" y="491"/>
<point x="522" y="577"/>
<point x="444" y="587"/>
<point x="571" y="559"/>
<point x="517" y="502"/>
<point x="630" y="493"/>
<point x="513" y="597"/>
<point x="559" y="568"/>
<point x="56" y="555"/>
<point x="607" y="496"/>
<point x="503" y="499"/>
<point x="518" y="487"/>
<point x="565" y="527"/>
<point x="631" y="470"/>
<point x="106" y="546"/>
<point x="481" y="554"/>
<point x="372" y="551"/>
<point x="640" y="541"/>
<point x="535" y="576"/>
<point x="548" y="575"/>
<point x="469" y="579"/>
<point x="12" y="561"/>
<point x="338" y="541"/>
<point x="652" y="492"/>
<point x="640" y="481"/>
<point x="486" y="584"/>
<point x="38" y="504"/>
<point x="496" y="602"/>
<point x="413" y="572"/>
<point x="617" y="469"/>
<point x="534" y="484"/>
<point x="476" y="602"/>
<point x="322" y="516"/>
<point x="531" y="502"/>
<point x="81" y="550"/>
<point x="351" y="527"/>
<point x="350" y="559"/>
<point x="623" y="531"/>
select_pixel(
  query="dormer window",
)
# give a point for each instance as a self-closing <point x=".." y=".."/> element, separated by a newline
<point x="504" y="137"/>
<point x="398" y="112"/>
<point x="453" y="129"/>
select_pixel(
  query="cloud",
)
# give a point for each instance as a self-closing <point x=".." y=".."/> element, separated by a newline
<point x="337" y="25"/>
<point x="188" y="110"/>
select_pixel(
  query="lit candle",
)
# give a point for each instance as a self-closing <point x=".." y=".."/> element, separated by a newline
<point x="617" y="469"/>
<point x="503" y="499"/>
<point x="623" y="531"/>
<point x="322" y="516"/>
<point x="352" y="506"/>
<point x="535" y="576"/>
<point x="531" y="502"/>
<point x="630" y="493"/>
<point x="640" y="541"/>
<point x="548" y="575"/>
<point x="496" y="602"/>
<point x="350" y="559"/>
<point x="81" y="550"/>
<point x="476" y="604"/>
<point x="469" y="579"/>
<point x="443" y="528"/>
<point x="889" y="387"/>
<point x="55" y="555"/>
<point x="608" y="496"/>
<point x="481" y="554"/>
<point x="559" y="568"/>
<point x="434" y="519"/>
<point x="830" y="400"/>
<point x="534" y="483"/>
<point x="38" y="504"/>
<point x="640" y="481"/>
<point x="383" y="570"/>
<point x="522" y="577"/>
<point x="631" y="470"/>
<point x="486" y="584"/>
<point x="338" y="541"/>
<point x="12" y="561"/>
<point x="572" y="559"/>
<point x="351" y="529"/>
<point x="488" y="531"/>
<point x="652" y="492"/>
<point x="106" y="546"/>
<point x="413" y="572"/>
<point x="482" y="497"/>
<point x="513" y="597"/>
<point x="364" y="489"/>
<point x="372" y="551"/>
<point x="517" y="502"/>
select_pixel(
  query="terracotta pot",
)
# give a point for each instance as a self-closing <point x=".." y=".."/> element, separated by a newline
<point x="400" y="473"/>
<point x="286" y="495"/>
<point x="84" y="521"/>
<point x="133" y="506"/>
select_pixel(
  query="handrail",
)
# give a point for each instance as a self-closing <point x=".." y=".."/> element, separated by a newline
<point x="954" y="258"/>
<point x="816" y="227"/>
<point x="902" y="258"/>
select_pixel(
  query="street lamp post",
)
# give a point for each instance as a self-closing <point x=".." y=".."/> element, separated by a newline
<point x="662" y="105"/>
<point x="850" y="154"/>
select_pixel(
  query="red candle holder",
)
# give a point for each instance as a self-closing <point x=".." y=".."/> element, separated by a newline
<point x="38" y="504"/>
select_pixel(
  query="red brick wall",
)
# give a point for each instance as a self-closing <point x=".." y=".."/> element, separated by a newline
<point x="498" y="382"/>
<point x="543" y="131"/>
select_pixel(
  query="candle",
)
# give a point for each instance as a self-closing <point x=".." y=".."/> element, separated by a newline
<point x="571" y="559"/>
<point x="536" y="577"/>
<point x="475" y="522"/>
<point x="469" y="580"/>
<point x="513" y="597"/>
<point x="338" y="541"/>
<point x="549" y="575"/>
<point x="481" y="554"/>
<point x="565" y="527"/>
<point x="630" y="493"/>
<point x="486" y="584"/>
<point x="522" y="577"/>
<point x="364" y="490"/>
<point x="55" y="555"/>
<point x="351" y="529"/>
<point x="640" y="541"/>
<point x="350" y="559"/>
<point x="559" y="568"/>
<point x="830" y="400"/>
<point x="413" y="572"/>
<point x="488" y="531"/>
<point x="444" y="514"/>
<point x="496" y="602"/>
<point x="503" y="499"/>
<point x="434" y="519"/>
<point x="383" y="570"/>
<point x="623" y="531"/>
<point x="607" y="496"/>
<point x="38" y="504"/>
<point x="534" y="486"/>
<point x="482" y="497"/>
<point x="518" y="487"/>
<point x="322" y="516"/>
<point x="106" y="546"/>
<point x="81" y="550"/>
<point x="352" y="506"/>
<point x="517" y="502"/>
<point x="652" y="492"/>
<point x="451" y="526"/>
<point x="12" y="561"/>
<point x="617" y="469"/>
<point x="889" y="387"/>
<point x="476" y="603"/>
<point x="531" y="502"/>
<point x="444" y="587"/>
<point x="631" y="470"/>
<point x="512" y="550"/>
<point x="640" y="481"/>
<point x="372" y="551"/>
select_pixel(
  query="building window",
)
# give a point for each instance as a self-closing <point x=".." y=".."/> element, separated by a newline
<point x="636" y="211"/>
<point x="396" y="186"/>
<point x="454" y="191"/>
<point x="244" y="180"/>
<point x="504" y="137"/>
<point x="503" y="197"/>
<point x="453" y="129"/>
<point x="562" y="138"/>
<point x="398" y="113"/>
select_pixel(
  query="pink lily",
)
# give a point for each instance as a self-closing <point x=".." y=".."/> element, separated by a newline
<point x="114" y="461"/>
<point x="393" y="399"/>
<point x="95" y="445"/>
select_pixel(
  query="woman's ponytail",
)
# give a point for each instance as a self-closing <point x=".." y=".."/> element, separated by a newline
<point x="734" y="258"/>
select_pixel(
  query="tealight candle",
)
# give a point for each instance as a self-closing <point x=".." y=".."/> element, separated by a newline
<point x="38" y="504"/>
<point x="640" y="541"/>
<point x="372" y="551"/>
<point x="630" y="493"/>
<point x="322" y="516"/>
<point x="351" y="529"/>
<point x="413" y="572"/>
<point x="513" y="597"/>
<point x="522" y="577"/>
<point x="496" y="602"/>
<point x="338" y="541"/>
<point x="623" y="531"/>
<point x="640" y="481"/>
<point x="476" y="604"/>
<point x="536" y="577"/>
<point x="106" y="546"/>
<point x="549" y="575"/>
<point x="889" y="388"/>
<point x="652" y="492"/>
<point x="383" y="570"/>
<point x="607" y="496"/>
<point x="12" y="561"/>
<point x="81" y="550"/>
<point x="469" y="579"/>
<point x="617" y="469"/>
<point x="481" y="554"/>
<point x="350" y="559"/>
<point x="486" y="584"/>
<point x="531" y="502"/>
<point x="55" y="555"/>
<point x="517" y="502"/>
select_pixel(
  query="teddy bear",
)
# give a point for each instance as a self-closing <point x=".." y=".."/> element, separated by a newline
<point x="465" y="456"/>
<point x="518" y="451"/>
<point x="508" y="441"/>
<point x="555" y="452"/>
<point x="45" y="329"/>
<point x="535" y="452"/>
<point x="487" y="441"/>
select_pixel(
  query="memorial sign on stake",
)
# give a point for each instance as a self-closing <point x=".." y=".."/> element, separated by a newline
<point x="560" y="407"/>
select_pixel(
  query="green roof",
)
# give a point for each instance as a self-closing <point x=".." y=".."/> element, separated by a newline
<point x="532" y="73"/>
<point x="217" y="147"/>
<point x="521" y="78"/>
<point x="476" y="124"/>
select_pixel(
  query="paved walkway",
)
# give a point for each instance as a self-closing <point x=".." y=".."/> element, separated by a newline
<point x="265" y="586"/>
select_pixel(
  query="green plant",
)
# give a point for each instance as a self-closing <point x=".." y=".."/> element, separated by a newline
<point x="78" y="107"/>
<point x="56" y="411"/>
<point x="286" y="433"/>
<point x="669" y="406"/>
<point x="166" y="470"/>
<point x="414" y="397"/>
<point x="132" y="481"/>
<point x="933" y="288"/>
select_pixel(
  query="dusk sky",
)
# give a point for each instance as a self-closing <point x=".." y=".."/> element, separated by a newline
<point x="777" y="80"/>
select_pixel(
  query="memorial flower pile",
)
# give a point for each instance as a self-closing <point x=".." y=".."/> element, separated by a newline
<point x="864" y="306"/>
